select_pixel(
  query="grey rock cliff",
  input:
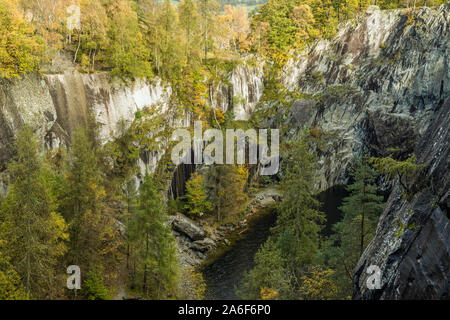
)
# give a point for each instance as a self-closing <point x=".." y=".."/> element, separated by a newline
<point x="415" y="262"/>
<point x="376" y="85"/>
<point x="383" y="85"/>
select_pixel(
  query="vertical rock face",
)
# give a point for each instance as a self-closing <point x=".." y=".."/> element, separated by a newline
<point x="25" y="102"/>
<point x="243" y="92"/>
<point x="75" y="94"/>
<point x="412" y="243"/>
<point x="57" y="104"/>
<point x="383" y="85"/>
<point x="376" y="85"/>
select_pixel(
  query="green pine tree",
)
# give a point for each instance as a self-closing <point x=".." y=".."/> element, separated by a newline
<point x="154" y="250"/>
<point x="361" y="210"/>
<point x="294" y="241"/>
<point x="93" y="226"/>
<point x="34" y="232"/>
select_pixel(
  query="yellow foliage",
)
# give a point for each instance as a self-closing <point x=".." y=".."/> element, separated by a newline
<point x="317" y="285"/>
<point x="20" y="49"/>
<point x="269" y="294"/>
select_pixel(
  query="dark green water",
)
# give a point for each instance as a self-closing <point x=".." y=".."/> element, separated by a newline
<point x="225" y="274"/>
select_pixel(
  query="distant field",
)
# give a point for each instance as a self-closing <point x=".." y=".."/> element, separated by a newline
<point x="249" y="4"/>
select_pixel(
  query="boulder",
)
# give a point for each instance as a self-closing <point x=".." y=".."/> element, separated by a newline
<point x="188" y="227"/>
<point x="203" y="245"/>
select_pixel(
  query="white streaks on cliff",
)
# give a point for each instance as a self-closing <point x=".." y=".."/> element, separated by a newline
<point x="243" y="92"/>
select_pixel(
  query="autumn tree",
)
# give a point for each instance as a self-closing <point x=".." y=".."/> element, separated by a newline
<point x="168" y="43"/>
<point x="304" y="20"/>
<point x="227" y="185"/>
<point x="197" y="195"/>
<point x="208" y="10"/>
<point x="189" y="23"/>
<point x="128" y="55"/>
<point x="34" y="232"/>
<point x="20" y="50"/>
<point x="93" y="38"/>
<point x="49" y="17"/>
<point x="234" y="28"/>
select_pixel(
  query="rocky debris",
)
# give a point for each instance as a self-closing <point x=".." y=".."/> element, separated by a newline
<point x="203" y="245"/>
<point x="264" y="198"/>
<point x="227" y="227"/>
<point x="193" y="243"/>
<point x="188" y="227"/>
<point x="412" y="242"/>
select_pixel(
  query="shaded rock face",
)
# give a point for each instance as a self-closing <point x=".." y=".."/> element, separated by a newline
<point x="390" y="133"/>
<point x="181" y="175"/>
<point x="376" y="85"/>
<point x="303" y="112"/>
<point x="415" y="262"/>
<point x="384" y="86"/>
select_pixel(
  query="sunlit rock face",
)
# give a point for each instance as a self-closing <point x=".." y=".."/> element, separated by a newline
<point x="377" y="84"/>
<point x="24" y="102"/>
<point x="55" y="105"/>
<point x="113" y="105"/>
<point x="242" y="91"/>
<point x="76" y="95"/>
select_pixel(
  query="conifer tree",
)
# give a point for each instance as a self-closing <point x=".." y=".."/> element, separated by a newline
<point x="93" y="228"/>
<point x="354" y="232"/>
<point x="34" y="232"/>
<point x="154" y="245"/>
<point x="294" y="241"/>
<point x="208" y="10"/>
